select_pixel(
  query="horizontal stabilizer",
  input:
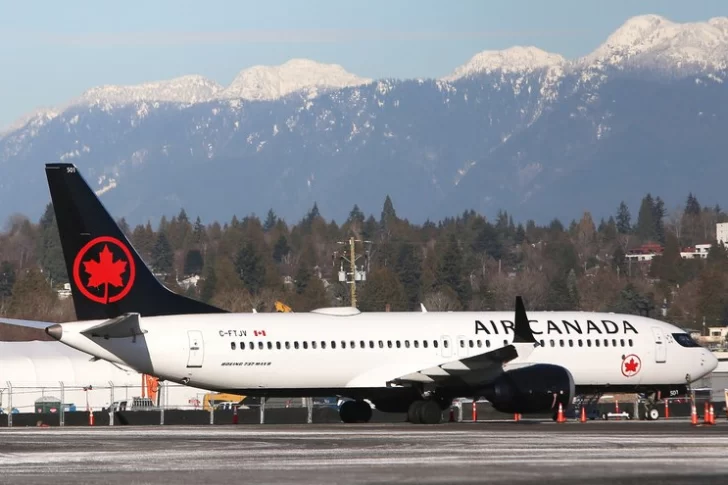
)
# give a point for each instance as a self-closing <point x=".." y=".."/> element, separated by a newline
<point x="25" y="323"/>
<point x="123" y="326"/>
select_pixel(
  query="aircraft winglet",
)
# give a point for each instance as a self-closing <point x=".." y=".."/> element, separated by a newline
<point x="523" y="331"/>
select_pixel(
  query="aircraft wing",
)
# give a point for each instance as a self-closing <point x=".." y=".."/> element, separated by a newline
<point x="126" y="325"/>
<point x="480" y="368"/>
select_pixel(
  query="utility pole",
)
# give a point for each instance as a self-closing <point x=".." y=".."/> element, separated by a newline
<point x="356" y="275"/>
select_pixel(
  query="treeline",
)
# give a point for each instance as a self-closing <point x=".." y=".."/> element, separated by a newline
<point x="460" y="263"/>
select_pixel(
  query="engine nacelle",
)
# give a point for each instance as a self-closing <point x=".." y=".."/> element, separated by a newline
<point x="531" y="389"/>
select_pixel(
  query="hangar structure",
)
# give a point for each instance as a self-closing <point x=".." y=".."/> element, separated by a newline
<point x="36" y="370"/>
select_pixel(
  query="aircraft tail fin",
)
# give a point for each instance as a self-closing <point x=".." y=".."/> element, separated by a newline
<point x="108" y="277"/>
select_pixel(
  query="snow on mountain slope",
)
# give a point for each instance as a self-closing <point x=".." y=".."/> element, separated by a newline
<point x="513" y="60"/>
<point x="656" y="42"/>
<point x="273" y="82"/>
<point x="185" y="89"/>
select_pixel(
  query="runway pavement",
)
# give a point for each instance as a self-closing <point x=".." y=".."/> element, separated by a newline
<point x="493" y="452"/>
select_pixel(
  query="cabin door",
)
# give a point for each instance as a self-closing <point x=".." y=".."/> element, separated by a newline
<point x="197" y="351"/>
<point x="660" y="347"/>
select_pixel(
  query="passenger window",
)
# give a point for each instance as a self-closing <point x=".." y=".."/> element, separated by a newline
<point x="581" y="344"/>
<point x="424" y="343"/>
<point x="362" y="344"/>
<point x="333" y="344"/>
<point x="371" y="344"/>
<point x="596" y="342"/>
<point x="399" y="344"/>
<point x="389" y="344"/>
<point x="630" y="342"/>
<point x="543" y="344"/>
<point x="305" y="345"/>
<point x="588" y="343"/>
<point x="323" y="344"/>
<point x="343" y="344"/>
<point x="232" y="345"/>
<point x="270" y="345"/>
<point x="445" y="344"/>
<point x="352" y="344"/>
<point x="505" y="342"/>
<point x="260" y="345"/>
<point x="251" y="345"/>
<point x="487" y="343"/>
<point x="278" y="345"/>
<point x="480" y="343"/>
<point x="553" y="344"/>
<point x="406" y="343"/>
<point x="470" y="343"/>
<point x="561" y="343"/>
<point x="571" y="343"/>
<point x="288" y="345"/>
<point x="435" y="343"/>
<point x="621" y="342"/>
<point x="614" y="342"/>
<point x="416" y="344"/>
<point x="606" y="342"/>
<point x="462" y="343"/>
<point x="381" y="344"/>
<point x="313" y="344"/>
<point x="242" y="345"/>
<point x="295" y="345"/>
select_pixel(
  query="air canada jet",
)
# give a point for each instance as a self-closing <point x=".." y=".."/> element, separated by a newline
<point x="401" y="362"/>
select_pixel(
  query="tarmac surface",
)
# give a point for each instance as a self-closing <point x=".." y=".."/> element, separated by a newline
<point x="529" y="452"/>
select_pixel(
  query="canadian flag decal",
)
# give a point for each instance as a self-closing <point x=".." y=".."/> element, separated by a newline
<point x="259" y="333"/>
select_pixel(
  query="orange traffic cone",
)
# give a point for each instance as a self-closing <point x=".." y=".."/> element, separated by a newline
<point x="90" y="416"/>
<point x="516" y="417"/>
<point x="616" y="409"/>
<point x="693" y="415"/>
<point x="475" y="412"/>
<point x="560" y="416"/>
<point x="711" y="414"/>
<point x="235" y="415"/>
<point x="706" y="413"/>
<point x="452" y="414"/>
<point x="582" y="418"/>
<point x="667" y="410"/>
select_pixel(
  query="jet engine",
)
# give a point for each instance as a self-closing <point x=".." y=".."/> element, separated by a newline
<point x="534" y="389"/>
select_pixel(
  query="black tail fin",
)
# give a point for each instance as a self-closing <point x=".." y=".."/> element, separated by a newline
<point x="108" y="278"/>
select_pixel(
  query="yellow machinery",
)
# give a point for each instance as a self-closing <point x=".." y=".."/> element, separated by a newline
<point x="212" y="399"/>
<point x="283" y="308"/>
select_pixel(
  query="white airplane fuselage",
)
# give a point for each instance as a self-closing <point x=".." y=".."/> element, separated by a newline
<point x="297" y="354"/>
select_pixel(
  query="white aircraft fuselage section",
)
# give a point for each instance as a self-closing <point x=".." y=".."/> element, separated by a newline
<point x="368" y="350"/>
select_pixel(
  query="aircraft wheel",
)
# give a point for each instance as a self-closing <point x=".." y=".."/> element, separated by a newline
<point x="413" y="413"/>
<point x="348" y="411"/>
<point x="430" y="413"/>
<point x="653" y="414"/>
<point x="363" y="412"/>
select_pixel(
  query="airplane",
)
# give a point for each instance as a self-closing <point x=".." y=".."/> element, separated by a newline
<point x="413" y="362"/>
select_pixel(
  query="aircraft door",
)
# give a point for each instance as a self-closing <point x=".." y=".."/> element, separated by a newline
<point x="197" y="350"/>
<point x="660" y="347"/>
<point x="445" y="346"/>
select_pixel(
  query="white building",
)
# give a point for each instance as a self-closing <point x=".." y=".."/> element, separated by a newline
<point x="721" y="232"/>
<point x="31" y="370"/>
<point x="700" y="251"/>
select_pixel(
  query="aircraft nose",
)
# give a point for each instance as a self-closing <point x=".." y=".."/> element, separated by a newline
<point x="56" y="331"/>
<point x="711" y="361"/>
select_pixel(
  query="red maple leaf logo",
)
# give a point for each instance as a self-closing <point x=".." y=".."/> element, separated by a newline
<point x="105" y="271"/>
<point x="630" y="366"/>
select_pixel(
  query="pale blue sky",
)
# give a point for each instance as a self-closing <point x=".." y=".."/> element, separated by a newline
<point x="51" y="51"/>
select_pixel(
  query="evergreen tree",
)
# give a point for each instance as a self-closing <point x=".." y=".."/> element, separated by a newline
<point x="356" y="216"/>
<point x="270" y="221"/>
<point x="520" y="235"/>
<point x="658" y="217"/>
<point x="646" y="220"/>
<point x="382" y="288"/>
<point x="631" y="301"/>
<point x="488" y="241"/>
<point x="409" y="273"/>
<point x="124" y="226"/>
<point x="250" y="268"/>
<point x="162" y="255"/>
<point x="50" y="250"/>
<point x="281" y="248"/>
<point x="389" y="215"/>
<point x="668" y="266"/>
<point x="624" y="219"/>
<point x="193" y="262"/>
<point x="619" y="260"/>
<point x="198" y="231"/>
<point x="451" y="271"/>
<point x="692" y="206"/>
<point x="302" y="278"/>
<point x="209" y="283"/>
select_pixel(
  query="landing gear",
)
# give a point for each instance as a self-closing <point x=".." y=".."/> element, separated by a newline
<point x="355" y="412"/>
<point x="649" y="406"/>
<point x="425" y="412"/>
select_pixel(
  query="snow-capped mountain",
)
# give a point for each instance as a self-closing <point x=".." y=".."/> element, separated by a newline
<point x="521" y="129"/>
<point x="652" y="41"/>
<point x="520" y="60"/>
<point x="267" y="83"/>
